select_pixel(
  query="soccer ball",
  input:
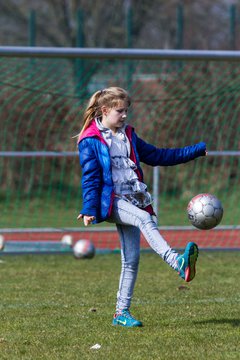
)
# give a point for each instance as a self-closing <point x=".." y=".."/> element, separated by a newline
<point x="205" y="211"/>
<point x="83" y="249"/>
<point x="67" y="240"/>
<point x="2" y="242"/>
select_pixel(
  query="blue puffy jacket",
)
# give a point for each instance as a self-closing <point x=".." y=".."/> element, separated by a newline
<point x="97" y="184"/>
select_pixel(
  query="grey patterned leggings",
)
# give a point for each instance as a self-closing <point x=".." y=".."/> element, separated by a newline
<point x="131" y="221"/>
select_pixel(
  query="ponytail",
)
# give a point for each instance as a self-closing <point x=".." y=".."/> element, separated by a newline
<point x="91" y="111"/>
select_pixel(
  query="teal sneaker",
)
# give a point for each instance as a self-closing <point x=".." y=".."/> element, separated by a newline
<point x="124" y="318"/>
<point x="187" y="262"/>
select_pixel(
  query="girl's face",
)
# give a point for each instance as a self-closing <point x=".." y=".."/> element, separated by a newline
<point x="114" y="118"/>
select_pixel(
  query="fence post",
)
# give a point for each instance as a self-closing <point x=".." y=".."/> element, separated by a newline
<point x="156" y="174"/>
<point x="31" y="42"/>
<point x="32" y="28"/>
<point x="128" y="17"/>
<point x="180" y="27"/>
<point x="79" y="63"/>
<point x="232" y="27"/>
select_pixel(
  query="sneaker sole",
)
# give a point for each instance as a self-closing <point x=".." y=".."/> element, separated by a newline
<point x="190" y="271"/>
<point x="136" y="324"/>
<point x="128" y="326"/>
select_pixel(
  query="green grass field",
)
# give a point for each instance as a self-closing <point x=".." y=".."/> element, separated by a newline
<point x="56" y="307"/>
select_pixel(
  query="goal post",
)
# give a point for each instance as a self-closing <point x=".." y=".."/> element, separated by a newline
<point x="179" y="97"/>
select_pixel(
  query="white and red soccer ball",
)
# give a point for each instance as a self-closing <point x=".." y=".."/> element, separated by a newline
<point x="83" y="249"/>
<point x="205" y="211"/>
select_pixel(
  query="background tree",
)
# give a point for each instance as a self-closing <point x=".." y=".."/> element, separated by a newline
<point x="206" y="24"/>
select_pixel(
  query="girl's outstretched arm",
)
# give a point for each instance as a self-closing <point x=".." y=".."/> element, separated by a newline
<point x="154" y="156"/>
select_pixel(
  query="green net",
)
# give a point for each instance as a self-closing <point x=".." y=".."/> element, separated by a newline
<point x="174" y="103"/>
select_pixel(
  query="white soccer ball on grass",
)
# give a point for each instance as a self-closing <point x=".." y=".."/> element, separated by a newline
<point x="84" y="249"/>
<point x="2" y="242"/>
<point x="67" y="240"/>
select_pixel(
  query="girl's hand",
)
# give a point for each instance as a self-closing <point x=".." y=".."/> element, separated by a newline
<point x="87" y="220"/>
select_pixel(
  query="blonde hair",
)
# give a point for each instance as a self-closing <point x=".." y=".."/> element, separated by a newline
<point x="109" y="97"/>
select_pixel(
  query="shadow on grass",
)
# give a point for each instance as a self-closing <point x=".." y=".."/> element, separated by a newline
<point x="233" y="322"/>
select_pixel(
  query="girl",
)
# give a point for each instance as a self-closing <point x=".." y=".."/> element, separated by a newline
<point x="113" y="189"/>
